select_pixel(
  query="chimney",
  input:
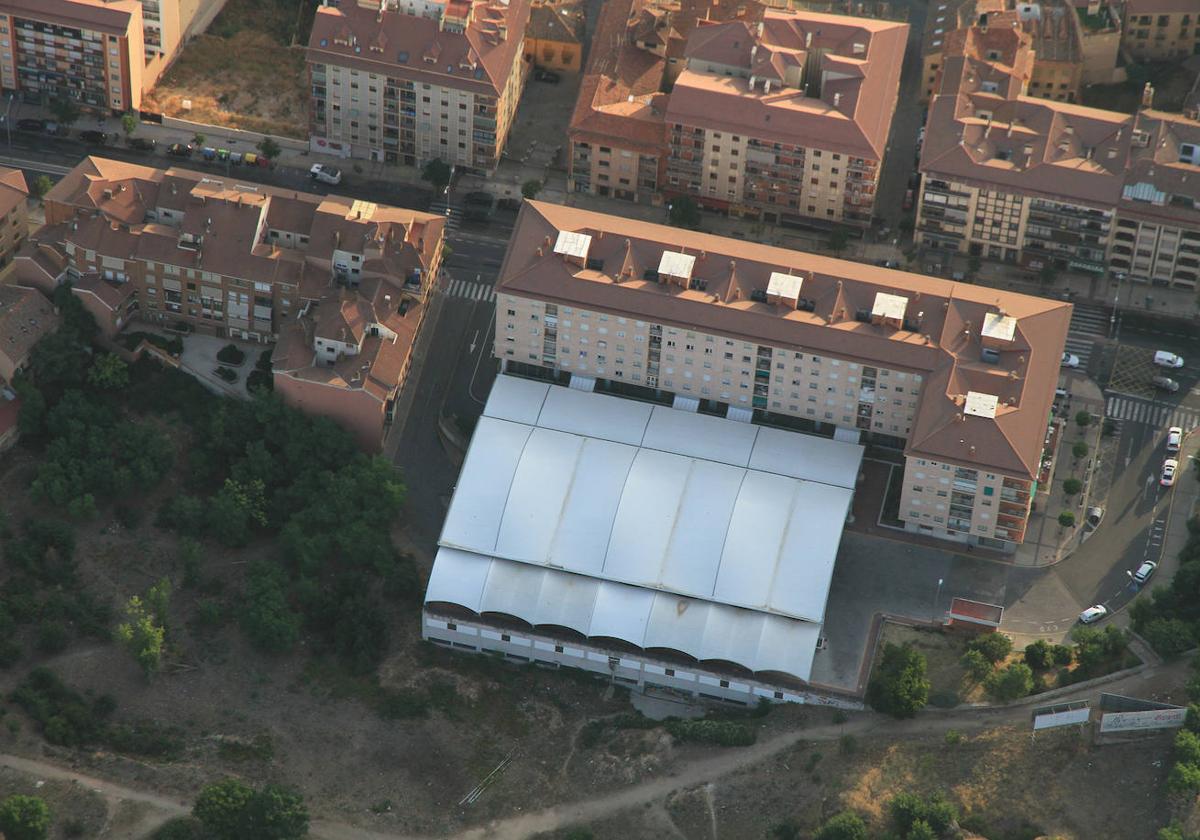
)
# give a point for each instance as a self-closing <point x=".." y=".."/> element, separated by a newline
<point x="754" y="79"/>
<point x="766" y="85"/>
<point x="1148" y="96"/>
<point x="837" y="100"/>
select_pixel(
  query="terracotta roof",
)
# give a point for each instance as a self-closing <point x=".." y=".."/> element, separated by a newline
<point x="1158" y="184"/>
<point x="852" y="111"/>
<point x="415" y="47"/>
<point x="112" y="294"/>
<point x="13" y="190"/>
<point x="25" y="316"/>
<point x="940" y="339"/>
<point x="114" y="17"/>
<point x="552" y="22"/>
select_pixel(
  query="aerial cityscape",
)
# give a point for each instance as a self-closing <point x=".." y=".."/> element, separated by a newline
<point x="589" y="419"/>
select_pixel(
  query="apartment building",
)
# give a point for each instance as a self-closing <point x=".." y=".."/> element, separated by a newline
<point x="1161" y="30"/>
<point x="786" y="121"/>
<point x="409" y="81"/>
<point x="554" y="35"/>
<point x="618" y="131"/>
<point x="339" y="283"/>
<point x="959" y="376"/>
<point x="26" y="315"/>
<point x="88" y="51"/>
<point x="1048" y="183"/>
<point x="1157" y="234"/>
<point x="14" y="216"/>
<point x="944" y="18"/>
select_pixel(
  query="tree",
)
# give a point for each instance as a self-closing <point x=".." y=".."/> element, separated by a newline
<point x="1048" y="273"/>
<point x="1011" y="683"/>
<point x="129" y="123"/>
<point x="266" y="618"/>
<point x="1066" y="519"/>
<point x="142" y="634"/>
<point x="1083" y="419"/>
<point x="974" y="263"/>
<point x="108" y="372"/>
<point x="921" y="830"/>
<point x="76" y="319"/>
<point x="1072" y="486"/>
<point x="995" y="646"/>
<point x="24" y="818"/>
<point x="1187" y="747"/>
<point x="1184" y="779"/>
<point x="683" y="211"/>
<point x="844" y="826"/>
<point x="839" y="240"/>
<point x="198" y="139"/>
<point x="65" y="111"/>
<point x="1170" y="637"/>
<point x="976" y="665"/>
<point x="436" y="172"/>
<point x="40" y="186"/>
<point x="1039" y="655"/>
<point x="1063" y="655"/>
<point x="231" y="810"/>
<point x="1079" y="450"/>
<point x="899" y="686"/>
<point x="270" y="148"/>
<point x="531" y="188"/>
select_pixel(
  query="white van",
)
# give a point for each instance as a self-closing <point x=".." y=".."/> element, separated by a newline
<point x="1168" y="360"/>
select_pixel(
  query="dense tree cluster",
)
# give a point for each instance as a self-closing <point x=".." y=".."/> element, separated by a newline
<point x="1170" y="619"/>
<point x="899" y="686"/>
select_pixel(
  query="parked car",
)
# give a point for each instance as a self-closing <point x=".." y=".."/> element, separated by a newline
<point x="208" y="153"/>
<point x="55" y="130"/>
<point x="1168" y="360"/>
<point x="1170" y="469"/>
<point x="1144" y="571"/>
<point x="1165" y="383"/>
<point x="236" y="158"/>
<point x="96" y="138"/>
<point x="1069" y="360"/>
<point x="141" y="144"/>
<point x="548" y="76"/>
<point x="479" y="198"/>
<point x="250" y="159"/>
<point x="222" y="155"/>
<point x="477" y="214"/>
<point x="887" y="263"/>
<point x="1093" y="614"/>
<point x="325" y="173"/>
<point x="37" y="126"/>
<point x="1095" y="515"/>
<point x="180" y="150"/>
<point x="1174" y="438"/>
<point x="908" y="199"/>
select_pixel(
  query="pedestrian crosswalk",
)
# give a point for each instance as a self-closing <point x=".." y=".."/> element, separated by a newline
<point x="471" y="290"/>
<point x="1155" y="414"/>
<point x="453" y="214"/>
<point x="1088" y="325"/>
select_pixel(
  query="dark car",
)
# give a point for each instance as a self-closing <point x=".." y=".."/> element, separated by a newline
<point x="510" y="204"/>
<point x="141" y="144"/>
<point x="31" y="125"/>
<point x="477" y="214"/>
<point x="179" y="150"/>
<point x="98" y="138"/>
<point x="548" y="76"/>
<point x="478" y="199"/>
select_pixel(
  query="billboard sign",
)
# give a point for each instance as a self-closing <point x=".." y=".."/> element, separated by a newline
<point x="1130" y="721"/>
<point x="1063" y="718"/>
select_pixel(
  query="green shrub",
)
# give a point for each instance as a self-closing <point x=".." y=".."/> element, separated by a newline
<point x="1039" y="655"/>
<point x="1079" y="450"/>
<point x="1184" y="779"/>
<point x="953" y="737"/>
<point x="1011" y="683"/>
<point x="724" y="733"/>
<point x="899" y="686"/>
<point x="1187" y="747"/>
<point x="1083" y="418"/>
<point x="1063" y="655"/>
<point x="148" y="739"/>
<point x="1066" y="519"/>
<point x="844" y="826"/>
<point x="24" y="818"/>
<point x="63" y="715"/>
<point x="231" y="355"/>
<point x="52" y="637"/>
<point x="402" y="705"/>
<point x="976" y="665"/>
<point x="1170" y="637"/>
<point x="995" y="646"/>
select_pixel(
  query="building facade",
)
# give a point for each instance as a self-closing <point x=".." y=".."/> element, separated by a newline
<point x="340" y="284"/>
<point x="14" y="214"/>
<point x="406" y="83"/>
<point x="554" y="36"/>
<point x="88" y="51"/>
<point x="1161" y="30"/>
<point x="945" y="371"/>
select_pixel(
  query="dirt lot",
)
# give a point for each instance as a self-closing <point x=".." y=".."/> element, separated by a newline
<point x="247" y="72"/>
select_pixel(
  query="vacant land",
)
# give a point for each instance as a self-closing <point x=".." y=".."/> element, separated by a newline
<point x="246" y="72"/>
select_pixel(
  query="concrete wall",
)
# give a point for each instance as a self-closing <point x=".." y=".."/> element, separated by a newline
<point x="624" y="668"/>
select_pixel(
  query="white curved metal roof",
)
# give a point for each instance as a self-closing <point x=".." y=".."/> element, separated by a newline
<point x="662" y="527"/>
<point x="648" y="619"/>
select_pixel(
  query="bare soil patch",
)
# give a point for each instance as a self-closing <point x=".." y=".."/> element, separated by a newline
<point x="246" y="72"/>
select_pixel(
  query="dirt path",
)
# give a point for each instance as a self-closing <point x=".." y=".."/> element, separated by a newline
<point x="693" y="775"/>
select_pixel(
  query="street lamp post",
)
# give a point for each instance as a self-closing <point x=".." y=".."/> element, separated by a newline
<point x="937" y="597"/>
<point x="12" y="97"/>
